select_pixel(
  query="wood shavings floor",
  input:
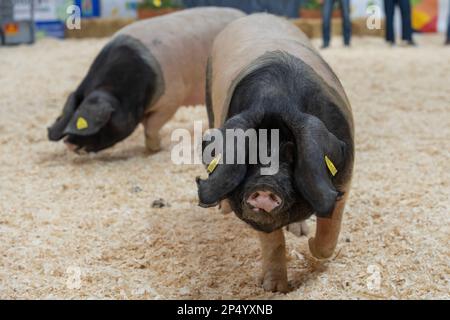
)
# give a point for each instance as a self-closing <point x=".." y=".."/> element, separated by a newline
<point x="84" y="227"/>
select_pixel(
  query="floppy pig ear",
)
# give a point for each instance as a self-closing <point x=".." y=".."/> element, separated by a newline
<point x="56" y="131"/>
<point x="315" y="147"/>
<point x="287" y="151"/>
<point x="224" y="178"/>
<point x="220" y="183"/>
<point x="90" y="117"/>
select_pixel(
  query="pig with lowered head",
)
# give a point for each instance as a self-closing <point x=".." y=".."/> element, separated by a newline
<point x="263" y="73"/>
<point x="142" y="75"/>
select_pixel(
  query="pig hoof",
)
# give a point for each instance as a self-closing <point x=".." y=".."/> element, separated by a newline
<point x="274" y="282"/>
<point x="299" y="228"/>
<point x="319" y="253"/>
<point x="153" y="145"/>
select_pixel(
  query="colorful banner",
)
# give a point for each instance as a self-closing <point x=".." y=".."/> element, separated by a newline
<point x="425" y="15"/>
<point x="89" y="8"/>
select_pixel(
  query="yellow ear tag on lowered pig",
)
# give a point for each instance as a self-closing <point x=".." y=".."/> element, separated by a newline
<point x="82" y="123"/>
<point x="214" y="163"/>
<point x="331" y="166"/>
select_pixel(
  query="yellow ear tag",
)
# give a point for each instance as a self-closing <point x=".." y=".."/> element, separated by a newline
<point x="214" y="163"/>
<point x="82" y="123"/>
<point x="331" y="166"/>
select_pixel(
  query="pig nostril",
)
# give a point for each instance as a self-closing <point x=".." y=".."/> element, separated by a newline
<point x="255" y="195"/>
<point x="274" y="198"/>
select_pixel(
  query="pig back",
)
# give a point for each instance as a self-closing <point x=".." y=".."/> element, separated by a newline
<point x="238" y="50"/>
<point x="179" y="44"/>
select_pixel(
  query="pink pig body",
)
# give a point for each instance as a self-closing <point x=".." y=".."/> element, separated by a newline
<point x="179" y="44"/>
<point x="236" y="54"/>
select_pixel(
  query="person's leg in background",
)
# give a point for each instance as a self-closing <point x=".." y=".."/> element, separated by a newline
<point x="327" y="11"/>
<point x="447" y="41"/>
<point x="389" y="9"/>
<point x="346" y="22"/>
<point x="407" y="31"/>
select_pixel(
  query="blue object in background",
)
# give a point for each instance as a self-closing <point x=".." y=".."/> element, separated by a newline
<point x="448" y="27"/>
<point x="288" y="8"/>
<point x="54" y="29"/>
<point x="327" y="12"/>
<point x="89" y="8"/>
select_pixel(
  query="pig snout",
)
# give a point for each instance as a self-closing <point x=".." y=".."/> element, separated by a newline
<point x="264" y="200"/>
<point x="72" y="147"/>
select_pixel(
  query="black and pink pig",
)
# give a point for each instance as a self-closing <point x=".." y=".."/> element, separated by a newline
<point x="263" y="73"/>
<point x="148" y="70"/>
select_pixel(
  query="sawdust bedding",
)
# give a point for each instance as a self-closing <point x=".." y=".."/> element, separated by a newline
<point x="87" y="227"/>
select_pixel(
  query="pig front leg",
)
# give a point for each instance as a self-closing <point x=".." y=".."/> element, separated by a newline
<point x="274" y="270"/>
<point x="225" y="207"/>
<point x="152" y="125"/>
<point x="322" y="246"/>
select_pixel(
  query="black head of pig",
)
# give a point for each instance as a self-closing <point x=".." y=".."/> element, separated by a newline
<point x="302" y="186"/>
<point x="266" y="202"/>
<point x="95" y="124"/>
<point x="111" y="100"/>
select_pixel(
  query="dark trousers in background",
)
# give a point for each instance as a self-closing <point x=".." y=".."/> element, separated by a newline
<point x="448" y="24"/>
<point x="405" y="9"/>
<point x="327" y="12"/>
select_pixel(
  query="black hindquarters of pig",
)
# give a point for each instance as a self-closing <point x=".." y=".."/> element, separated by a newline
<point x="111" y="100"/>
<point x="285" y="93"/>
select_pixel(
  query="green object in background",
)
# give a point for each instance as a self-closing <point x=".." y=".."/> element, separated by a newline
<point x="314" y="5"/>
<point x="311" y="5"/>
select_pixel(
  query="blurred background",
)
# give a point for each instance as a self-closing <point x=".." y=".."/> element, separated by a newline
<point x="62" y="215"/>
<point x="25" y="20"/>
